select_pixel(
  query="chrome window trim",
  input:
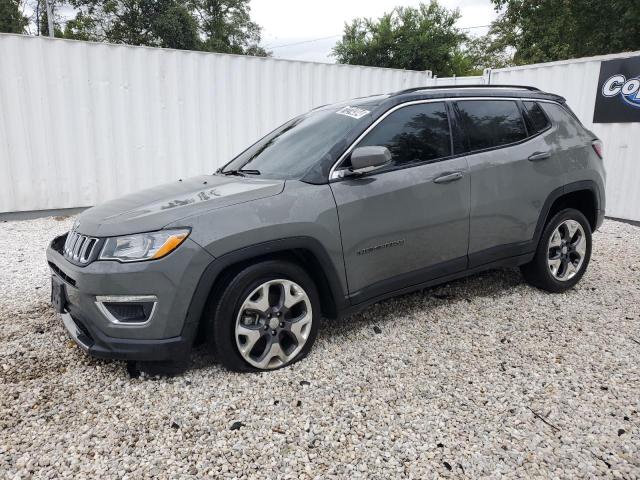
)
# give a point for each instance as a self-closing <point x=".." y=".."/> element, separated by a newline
<point x="333" y="175"/>
<point x="102" y="299"/>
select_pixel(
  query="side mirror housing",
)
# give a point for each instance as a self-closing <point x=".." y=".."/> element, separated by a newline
<point x="366" y="159"/>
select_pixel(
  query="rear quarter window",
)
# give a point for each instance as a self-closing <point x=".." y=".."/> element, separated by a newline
<point x="537" y="120"/>
<point x="567" y="125"/>
<point x="491" y="123"/>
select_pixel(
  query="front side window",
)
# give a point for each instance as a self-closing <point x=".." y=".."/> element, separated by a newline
<point x="491" y="123"/>
<point x="293" y="148"/>
<point x="416" y="133"/>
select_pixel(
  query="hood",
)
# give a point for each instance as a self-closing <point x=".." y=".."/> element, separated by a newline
<point x="156" y="207"/>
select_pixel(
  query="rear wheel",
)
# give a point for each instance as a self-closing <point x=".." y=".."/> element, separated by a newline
<point x="266" y="317"/>
<point x="563" y="253"/>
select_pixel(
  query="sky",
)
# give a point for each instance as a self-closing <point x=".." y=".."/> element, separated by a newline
<point x="308" y="30"/>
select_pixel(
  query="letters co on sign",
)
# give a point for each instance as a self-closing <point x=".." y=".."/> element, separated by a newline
<point x="618" y="96"/>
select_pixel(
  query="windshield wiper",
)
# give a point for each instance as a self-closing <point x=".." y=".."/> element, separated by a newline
<point x="241" y="172"/>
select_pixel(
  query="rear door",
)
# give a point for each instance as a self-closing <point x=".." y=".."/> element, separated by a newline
<point x="513" y="170"/>
<point x="408" y="221"/>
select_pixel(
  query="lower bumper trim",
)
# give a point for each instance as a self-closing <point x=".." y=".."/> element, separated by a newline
<point x="84" y="341"/>
<point x="99" y="345"/>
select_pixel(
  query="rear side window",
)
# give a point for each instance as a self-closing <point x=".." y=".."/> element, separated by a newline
<point x="491" y="123"/>
<point x="536" y="119"/>
<point x="415" y="133"/>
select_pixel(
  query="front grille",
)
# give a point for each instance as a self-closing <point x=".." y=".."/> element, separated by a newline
<point x="79" y="248"/>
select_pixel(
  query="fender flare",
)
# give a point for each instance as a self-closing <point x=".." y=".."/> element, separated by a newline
<point x="588" y="185"/>
<point x="219" y="264"/>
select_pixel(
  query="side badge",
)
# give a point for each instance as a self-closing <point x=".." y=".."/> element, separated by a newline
<point x="393" y="243"/>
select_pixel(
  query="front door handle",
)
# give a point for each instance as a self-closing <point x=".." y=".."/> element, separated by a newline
<point x="539" y="156"/>
<point x="449" y="177"/>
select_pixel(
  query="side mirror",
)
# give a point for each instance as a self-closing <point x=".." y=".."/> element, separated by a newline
<point x="366" y="159"/>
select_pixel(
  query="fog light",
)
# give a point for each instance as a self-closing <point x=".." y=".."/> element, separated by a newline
<point x="127" y="309"/>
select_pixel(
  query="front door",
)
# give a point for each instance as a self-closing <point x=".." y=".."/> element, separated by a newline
<point x="407" y="222"/>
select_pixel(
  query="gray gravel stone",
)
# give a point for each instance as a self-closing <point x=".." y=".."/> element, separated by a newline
<point x="482" y="377"/>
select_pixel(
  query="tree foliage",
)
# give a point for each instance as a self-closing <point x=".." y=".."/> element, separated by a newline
<point x="210" y="25"/>
<point x="485" y="52"/>
<point x="11" y="18"/>
<point x="547" y="30"/>
<point x="526" y="31"/>
<point x="422" y="38"/>
<point x="227" y="27"/>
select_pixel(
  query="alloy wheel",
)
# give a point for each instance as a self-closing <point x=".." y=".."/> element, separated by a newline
<point x="566" y="250"/>
<point x="273" y="324"/>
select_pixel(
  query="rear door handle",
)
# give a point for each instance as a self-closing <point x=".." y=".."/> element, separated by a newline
<point x="449" y="177"/>
<point x="539" y="156"/>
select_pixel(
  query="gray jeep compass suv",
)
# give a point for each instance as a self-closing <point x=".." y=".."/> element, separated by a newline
<point x="334" y="210"/>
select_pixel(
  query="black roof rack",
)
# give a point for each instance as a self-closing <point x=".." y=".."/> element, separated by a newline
<point x="482" y="85"/>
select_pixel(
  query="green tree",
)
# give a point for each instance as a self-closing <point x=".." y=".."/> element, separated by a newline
<point x="43" y="27"/>
<point x="11" y="18"/>
<point x="486" y="52"/>
<point x="547" y="30"/>
<point x="81" y="27"/>
<point x="160" y="23"/>
<point x="226" y="27"/>
<point x="211" y="25"/>
<point x="176" y="28"/>
<point x="422" y="38"/>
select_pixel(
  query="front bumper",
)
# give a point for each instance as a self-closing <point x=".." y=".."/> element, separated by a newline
<point x="97" y="344"/>
<point x="173" y="280"/>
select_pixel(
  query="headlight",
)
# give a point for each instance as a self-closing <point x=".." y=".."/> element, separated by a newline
<point x="143" y="246"/>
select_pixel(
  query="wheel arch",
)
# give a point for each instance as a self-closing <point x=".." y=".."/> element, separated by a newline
<point x="584" y="196"/>
<point x="307" y="252"/>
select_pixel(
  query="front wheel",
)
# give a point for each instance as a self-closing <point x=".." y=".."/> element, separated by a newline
<point x="267" y="317"/>
<point x="563" y="253"/>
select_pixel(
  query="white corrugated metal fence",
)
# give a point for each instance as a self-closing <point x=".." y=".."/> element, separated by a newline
<point x="83" y="122"/>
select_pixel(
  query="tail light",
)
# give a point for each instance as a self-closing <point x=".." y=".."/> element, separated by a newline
<point x="597" y="147"/>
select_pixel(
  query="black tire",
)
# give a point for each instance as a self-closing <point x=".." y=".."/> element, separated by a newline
<point x="538" y="273"/>
<point x="221" y="321"/>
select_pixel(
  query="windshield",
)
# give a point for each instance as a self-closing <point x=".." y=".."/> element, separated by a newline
<point x="293" y="148"/>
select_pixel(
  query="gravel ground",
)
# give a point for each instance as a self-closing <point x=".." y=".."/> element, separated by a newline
<point x="481" y="377"/>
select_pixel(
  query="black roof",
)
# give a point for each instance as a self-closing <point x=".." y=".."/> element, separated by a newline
<point x="478" y="85"/>
<point x="381" y="102"/>
<point x="419" y="93"/>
